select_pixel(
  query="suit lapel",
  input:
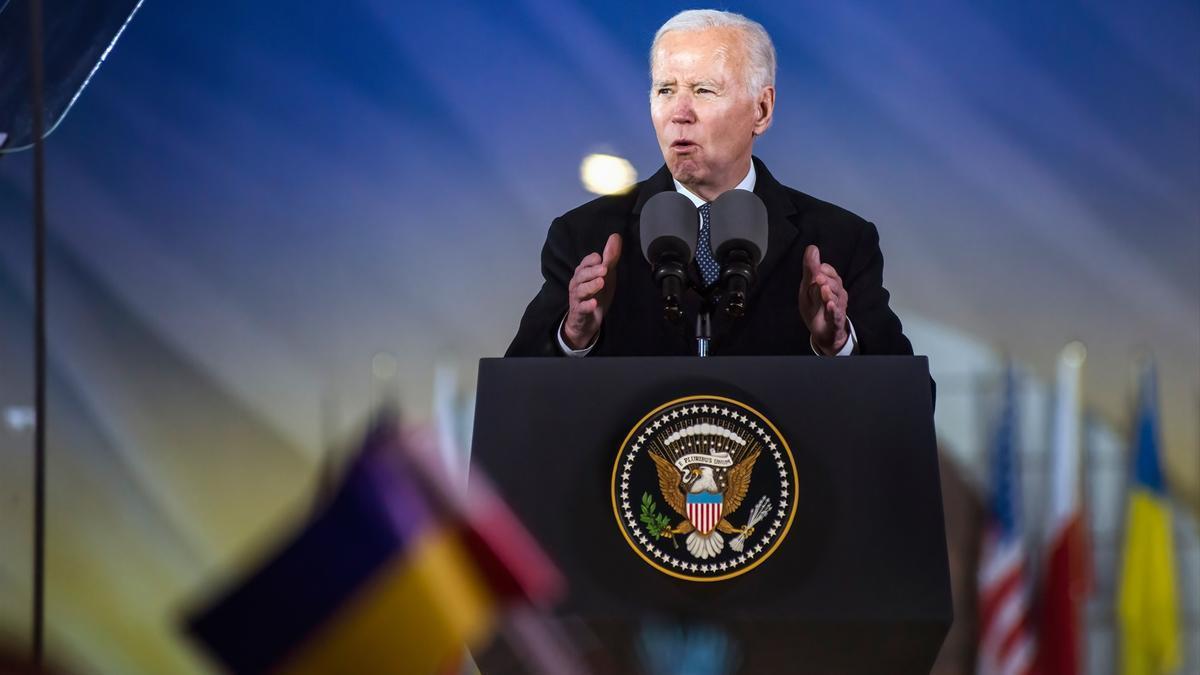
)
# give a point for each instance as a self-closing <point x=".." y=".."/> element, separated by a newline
<point x="781" y="230"/>
<point x="661" y="181"/>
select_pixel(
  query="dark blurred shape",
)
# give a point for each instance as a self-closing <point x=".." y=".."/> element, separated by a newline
<point x="11" y="664"/>
<point x="964" y="525"/>
<point x="398" y="573"/>
<point x="78" y="35"/>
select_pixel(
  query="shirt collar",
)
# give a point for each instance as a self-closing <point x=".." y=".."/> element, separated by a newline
<point x="746" y="184"/>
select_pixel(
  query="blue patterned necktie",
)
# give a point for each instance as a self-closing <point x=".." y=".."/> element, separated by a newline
<point x="704" y="257"/>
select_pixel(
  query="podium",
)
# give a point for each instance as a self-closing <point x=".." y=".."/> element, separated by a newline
<point x="858" y="584"/>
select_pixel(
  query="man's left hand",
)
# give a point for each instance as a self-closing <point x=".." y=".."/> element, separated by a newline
<point x="823" y="302"/>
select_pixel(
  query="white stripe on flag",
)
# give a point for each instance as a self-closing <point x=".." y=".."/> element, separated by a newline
<point x="1007" y="617"/>
<point x="1018" y="659"/>
<point x="1007" y="621"/>
<point x="999" y="559"/>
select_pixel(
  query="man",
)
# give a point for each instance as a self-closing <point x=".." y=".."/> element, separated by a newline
<point x="820" y="285"/>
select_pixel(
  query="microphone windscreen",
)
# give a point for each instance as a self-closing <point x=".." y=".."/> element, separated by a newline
<point x="668" y="224"/>
<point x="737" y="218"/>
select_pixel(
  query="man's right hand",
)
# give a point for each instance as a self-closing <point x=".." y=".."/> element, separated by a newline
<point x="590" y="293"/>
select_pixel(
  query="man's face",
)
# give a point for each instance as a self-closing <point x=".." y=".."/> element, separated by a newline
<point x="703" y="113"/>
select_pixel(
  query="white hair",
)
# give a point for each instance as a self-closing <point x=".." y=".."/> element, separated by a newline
<point x="758" y="44"/>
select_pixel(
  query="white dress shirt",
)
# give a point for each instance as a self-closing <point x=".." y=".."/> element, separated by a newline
<point x="747" y="184"/>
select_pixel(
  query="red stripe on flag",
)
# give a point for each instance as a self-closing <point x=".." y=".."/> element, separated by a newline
<point x="993" y="596"/>
<point x="1015" y="636"/>
<point x="1005" y="635"/>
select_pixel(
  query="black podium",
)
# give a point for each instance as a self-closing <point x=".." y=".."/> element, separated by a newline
<point x="860" y="582"/>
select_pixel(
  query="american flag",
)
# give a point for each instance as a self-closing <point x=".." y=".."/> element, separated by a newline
<point x="1006" y="645"/>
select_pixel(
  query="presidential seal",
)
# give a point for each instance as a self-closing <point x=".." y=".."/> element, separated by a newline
<point x="704" y="488"/>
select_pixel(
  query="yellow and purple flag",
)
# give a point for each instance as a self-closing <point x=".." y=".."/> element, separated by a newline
<point x="397" y="574"/>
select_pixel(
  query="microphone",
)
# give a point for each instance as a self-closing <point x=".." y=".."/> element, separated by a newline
<point x="738" y="230"/>
<point x="668" y="230"/>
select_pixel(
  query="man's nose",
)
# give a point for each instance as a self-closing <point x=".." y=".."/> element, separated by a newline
<point x="683" y="112"/>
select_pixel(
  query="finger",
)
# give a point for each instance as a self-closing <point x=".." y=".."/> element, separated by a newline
<point x="827" y="294"/>
<point x="831" y="313"/>
<point x="612" y="250"/>
<point x="812" y="261"/>
<point x="589" y="260"/>
<point x="813" y="294"/>
<point x="586" y="290"/>
<point x="828" y="271"/>
<point x="588" y="273"/>
<point x="832" y="283"/>
<point x="587" y="306"/>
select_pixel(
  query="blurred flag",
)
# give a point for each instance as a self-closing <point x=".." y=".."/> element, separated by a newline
<point x="1005" y="641"/>
<point x="1146" y="603"/>
<point x="453" y="418"/>
<point x="666" y="649"/>
<point x="1067" y="577"/>
<point x="396" y="575"/>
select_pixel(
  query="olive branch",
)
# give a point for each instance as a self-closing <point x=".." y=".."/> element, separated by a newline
<point x="656" y="523"/>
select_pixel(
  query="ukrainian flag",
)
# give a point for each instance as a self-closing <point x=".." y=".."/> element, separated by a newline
<point x="1147" y="602"/>
<point x="394" y="575"/>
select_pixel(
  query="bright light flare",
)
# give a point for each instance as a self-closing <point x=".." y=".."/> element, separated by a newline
<point x="607" y="174"/>
<point x="1075" y="354"/>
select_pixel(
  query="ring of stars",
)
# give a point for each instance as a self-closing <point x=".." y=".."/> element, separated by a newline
<point x="767" y="531"/>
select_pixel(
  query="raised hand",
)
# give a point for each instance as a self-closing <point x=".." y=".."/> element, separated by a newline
<point x="823" y="302"/>
<point x="590" y="293"/>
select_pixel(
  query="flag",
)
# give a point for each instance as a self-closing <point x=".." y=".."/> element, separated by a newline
<point x="1066" y="579"/>
<point x="1006" y="642"/>
<point x="1147" y="599"/>
<point x="395" y="575"/>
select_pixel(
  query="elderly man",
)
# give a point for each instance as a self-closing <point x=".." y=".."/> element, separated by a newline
<point x="820" y="284"/>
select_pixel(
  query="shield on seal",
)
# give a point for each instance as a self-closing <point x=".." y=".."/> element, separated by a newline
<point x="704" y="510"/>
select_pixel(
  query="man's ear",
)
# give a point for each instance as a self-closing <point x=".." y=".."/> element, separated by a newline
<point x="764" y="110"/>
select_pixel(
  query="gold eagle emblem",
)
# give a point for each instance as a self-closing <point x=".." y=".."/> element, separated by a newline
<point x="675" y="488"/>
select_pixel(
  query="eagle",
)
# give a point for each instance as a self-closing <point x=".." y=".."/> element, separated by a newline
<point x="698" y="482"/>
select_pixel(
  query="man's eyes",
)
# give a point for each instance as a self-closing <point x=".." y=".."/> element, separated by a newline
<point x="667" y="91"/>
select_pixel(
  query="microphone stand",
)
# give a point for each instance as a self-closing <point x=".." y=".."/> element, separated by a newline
<point x="704" y="327"/>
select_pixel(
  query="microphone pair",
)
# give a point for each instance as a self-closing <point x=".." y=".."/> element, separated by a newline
<point x="738" y="235"/>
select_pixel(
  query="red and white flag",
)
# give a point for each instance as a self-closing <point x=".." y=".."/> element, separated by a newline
<point x="1067" y="577"/>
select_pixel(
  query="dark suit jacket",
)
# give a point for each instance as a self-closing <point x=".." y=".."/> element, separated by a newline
<point x="772" y="325"/>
